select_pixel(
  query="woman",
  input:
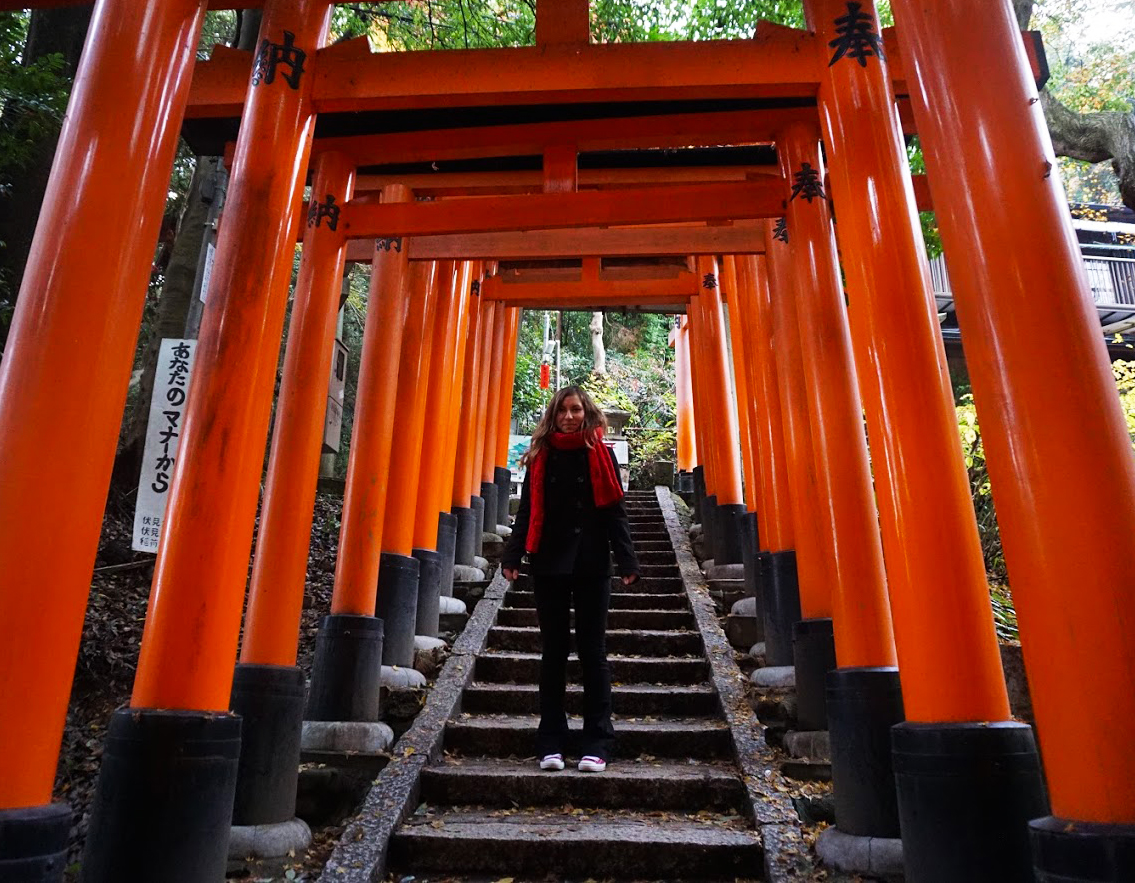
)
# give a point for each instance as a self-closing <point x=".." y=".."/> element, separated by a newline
<point x="571" y="516"/>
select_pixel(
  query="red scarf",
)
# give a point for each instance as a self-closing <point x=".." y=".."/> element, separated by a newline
<point x="605" y="482"/>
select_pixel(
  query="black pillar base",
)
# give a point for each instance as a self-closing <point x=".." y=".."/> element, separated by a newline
<point x="684" y="485"/>
<point x="269" y="700"/>
<point x="489" y="495"/>
<point x="699" y="493"/>
<point x="33" y="843"/>
<point x="164" y="801"/>
<point x="503" y="479"/>
<point x="1067" y="851"/>
<point x="467" y="535"/>
<point x="813" y="655"/>
<point x="447" y="549"/>
<point x="781" y="596"/>
<point x="863" y="704"/>
<point x="709" y="525"/>
<point x="346" y="668"/>
<point x="397" y="607"/>
<point x="477" y="504"/>
<point x="750" y="549"/>
<point x="728" y="534"/>
<point x="966" y="794"/>
<point x="429" y="592"/>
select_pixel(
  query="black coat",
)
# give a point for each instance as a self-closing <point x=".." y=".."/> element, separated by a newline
<point x="576" y="537"/>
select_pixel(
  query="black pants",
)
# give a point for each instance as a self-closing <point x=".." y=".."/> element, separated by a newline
<point x="554" y="600"/>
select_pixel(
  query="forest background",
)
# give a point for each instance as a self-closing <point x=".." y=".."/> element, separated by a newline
<point x="1089" y="103"/>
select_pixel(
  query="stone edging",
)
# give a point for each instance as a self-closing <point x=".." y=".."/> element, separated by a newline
<point x="786" y="855"/>
<point x="360" y="855"/>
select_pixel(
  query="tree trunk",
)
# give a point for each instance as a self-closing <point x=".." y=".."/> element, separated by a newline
<point x="177" y="292"/>
<point x="1092" y="137"/>
<point x="50" y="31"/>
<point x="597" y="348"/>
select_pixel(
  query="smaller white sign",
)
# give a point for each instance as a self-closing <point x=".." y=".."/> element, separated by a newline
<point x="207" y="270"/>
<point x="163" y="432"/>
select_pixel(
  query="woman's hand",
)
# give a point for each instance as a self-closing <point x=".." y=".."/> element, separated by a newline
<point x="511" y="573"/>
<point x="628" y="579"/>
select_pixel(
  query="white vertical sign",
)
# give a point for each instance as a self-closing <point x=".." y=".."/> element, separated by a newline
<point x="163" y="432"/>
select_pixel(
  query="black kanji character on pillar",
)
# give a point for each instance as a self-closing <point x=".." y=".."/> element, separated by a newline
<point x="710" y="281"/>
<point x="270" y="55"/>
<point x="326" y="209"/>
<point x="780" y="231"/>
<point x="857" y="38"/>
<point x="394" y="242"/>
<point x="476" y="287"/>
<point x="807" y="183"/>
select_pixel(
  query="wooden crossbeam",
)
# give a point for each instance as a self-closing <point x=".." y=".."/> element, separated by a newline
<point x="362" y="219"/>
<point x="445" y="184"/>
<point x="712" y="129"/>
<point x="590" y="242"/>
<point x="779" y="62"/>
<point x="586" y="293"/>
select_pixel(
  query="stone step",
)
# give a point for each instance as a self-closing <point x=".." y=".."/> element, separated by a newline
<point x="670" y="569"/>
<point x="524" y="668"/>
<point x="628" y="700"/>
<point x="587" y="844"/>
<point x="627" y="641"/>
<point x="654" y="785"/>
<point x="671" y="583"/>
<point x="503" y="735"/>
<point x="651" y="583"/>
<point x="619" y="600"/>
<point x="653" y="546"/>
<point x="616" y="619"/>
<point x="665" y="556"/>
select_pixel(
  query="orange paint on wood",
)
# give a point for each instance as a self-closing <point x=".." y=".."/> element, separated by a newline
<point x="279" y="572"/>
<point x="743" y="399"/>
<point x="438" y="393"/>
<point x="637" y="205"/>
<point x="813" y="575"/>
<point x="84" y="286"/>
<point x="368" y="463"/>
<point x="935" y="570"/>
<point x="1064" y="488"/>
<point x="414" y="370"/>
<point x="774" y="496"/>
<point x="718" y="389"/>
<point x="189" y="643"/>
<point x="847" y="515"/>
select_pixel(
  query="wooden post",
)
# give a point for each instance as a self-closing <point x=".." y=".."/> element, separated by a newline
<point x="1065" y="480"/>
<point x="185" y="664"/>
<point x="279" y="572"/>
<point x="368" y="464"/>
<point x="848" y="519"/>
<point x="774" y="501"/>
<point x="83" y="292"/>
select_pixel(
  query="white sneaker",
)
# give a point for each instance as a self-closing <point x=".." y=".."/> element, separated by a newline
<point x="592" y="764"/>
<point x="552" y="762"/>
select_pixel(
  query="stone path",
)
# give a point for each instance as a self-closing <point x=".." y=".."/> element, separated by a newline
<point x="670" y="806"/>
<point x="692" y="793"/>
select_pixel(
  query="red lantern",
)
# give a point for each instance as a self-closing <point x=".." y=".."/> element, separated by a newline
<point x="545" y="375"/>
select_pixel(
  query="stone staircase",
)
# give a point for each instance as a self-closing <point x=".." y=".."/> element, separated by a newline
<point x="672" y="804"/>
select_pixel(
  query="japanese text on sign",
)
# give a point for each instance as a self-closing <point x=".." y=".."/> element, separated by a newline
<point x="167" y="417"/>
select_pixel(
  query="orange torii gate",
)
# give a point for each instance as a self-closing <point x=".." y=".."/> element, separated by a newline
<point x="966" y="72"/>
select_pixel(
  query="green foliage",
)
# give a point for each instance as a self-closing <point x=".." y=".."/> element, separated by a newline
<point x="33" y="96"/>
<point x="1090" y="47"/>
<point x="978" y="473"/>
<point x="980" y="489"/>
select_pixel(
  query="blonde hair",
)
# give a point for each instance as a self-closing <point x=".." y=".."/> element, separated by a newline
<point x="594" y="421"/>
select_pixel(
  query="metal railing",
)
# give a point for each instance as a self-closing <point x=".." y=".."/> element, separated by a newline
<point x="1112" y="279"/>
